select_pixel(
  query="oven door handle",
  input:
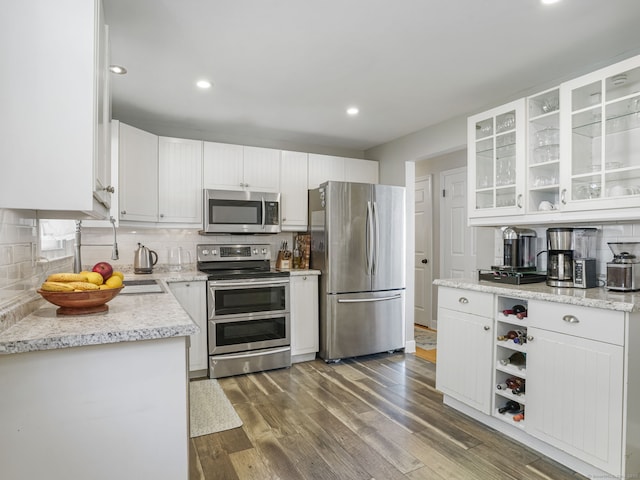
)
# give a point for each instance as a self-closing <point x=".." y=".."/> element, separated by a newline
<point x="362" y="300"/>
<point x="246" y="354"/>
<point x="247" y="284"/>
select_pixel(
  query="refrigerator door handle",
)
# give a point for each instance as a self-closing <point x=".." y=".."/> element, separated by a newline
<point x="376" y="229"/>
<point x="369" y="239"/>
<point x="363" y="300"/>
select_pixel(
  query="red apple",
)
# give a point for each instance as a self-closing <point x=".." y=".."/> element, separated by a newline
<point x="104" y="269"/>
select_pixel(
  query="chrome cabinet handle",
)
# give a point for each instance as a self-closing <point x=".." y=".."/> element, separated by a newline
<point x="570" y="319"/>
<point x="519" y="201"/>
<point x="123" y="212"/>
<point x="563" y="196"/>
<point x="162" y="215"/>
<point x="529" y="338"/>
<point x="109" y="189"/>
<point x="487" y="328"/>
<point x="463" y="300"/>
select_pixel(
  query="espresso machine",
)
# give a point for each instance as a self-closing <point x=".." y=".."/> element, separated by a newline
<point x="519" y="259"/>
<point x="571" y="258"/>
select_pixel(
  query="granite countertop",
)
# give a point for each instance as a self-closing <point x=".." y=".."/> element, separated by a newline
<point x="598" y="297"/>
<point x="130" y="318"/>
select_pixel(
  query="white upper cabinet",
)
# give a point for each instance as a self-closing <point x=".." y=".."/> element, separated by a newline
<point x="236" y="167"/>
<point x="223" y="166"/>
<point x="55" y="114"/>
<point x="294" y="195"/>
<point x="179" y="180"/>
<point x="261" y="169"/>
<point x="323" y="168"/>
<point x="601" y="138"/>
<point x="138" y="174"/>
<point x="362" y="171"/>
<point x="543" y="153"/>
<point x="496" y="161"/>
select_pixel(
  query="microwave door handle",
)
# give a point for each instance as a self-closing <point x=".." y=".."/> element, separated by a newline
<point x="264" y="214"/>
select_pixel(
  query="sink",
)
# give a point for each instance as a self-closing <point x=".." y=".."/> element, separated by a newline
<point x="140" y="287"/>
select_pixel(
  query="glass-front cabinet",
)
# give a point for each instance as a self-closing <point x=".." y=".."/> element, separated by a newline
<point x="600" y="139"/>
<point x="543" y="153"/>
<point x="496" y="141"/>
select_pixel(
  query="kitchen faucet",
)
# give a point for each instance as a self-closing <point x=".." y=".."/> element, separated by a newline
<point x="77" y="258"/>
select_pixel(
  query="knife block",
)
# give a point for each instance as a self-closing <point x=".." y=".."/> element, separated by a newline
<point x="283" y="261"/>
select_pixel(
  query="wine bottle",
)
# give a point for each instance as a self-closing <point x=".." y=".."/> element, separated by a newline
<point x="510" y="407"/>
<point x="511" y="335"/>
<point x="502" y="386"/>
<point x="513" y="382"/>
<point x="518" y="359"/>
<point x="519" y="390"/>
<point x="518" y="417"/>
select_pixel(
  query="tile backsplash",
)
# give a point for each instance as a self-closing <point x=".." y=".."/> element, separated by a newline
<point x="18" y="253"/>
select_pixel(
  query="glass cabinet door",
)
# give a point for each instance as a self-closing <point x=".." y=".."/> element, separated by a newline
<point x="543" y="159"/>
<point x="496" y="141"/>
<point x="604" y="138"/>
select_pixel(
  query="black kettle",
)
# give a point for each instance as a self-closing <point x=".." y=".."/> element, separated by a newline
<point x="144" y="260"/>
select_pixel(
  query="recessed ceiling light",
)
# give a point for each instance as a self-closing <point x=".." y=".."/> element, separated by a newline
<point x="352" y="111"/>
<point x="203" y="84"/>
<point x="117" y="69"/>
<point x="549" y="2"/>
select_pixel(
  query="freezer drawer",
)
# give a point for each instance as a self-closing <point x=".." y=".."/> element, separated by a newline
<point x="357" y="324"/>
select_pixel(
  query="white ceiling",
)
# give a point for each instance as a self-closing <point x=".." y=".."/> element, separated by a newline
<point x="286" y="70"/>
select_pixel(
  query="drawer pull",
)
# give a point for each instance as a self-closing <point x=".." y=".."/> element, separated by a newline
<point x="463" y="300"/>
<point x="487" y="328"/>
<point x="570" y="319"/>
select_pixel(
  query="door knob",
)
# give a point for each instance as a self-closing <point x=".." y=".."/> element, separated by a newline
<point x="424" y="260"/>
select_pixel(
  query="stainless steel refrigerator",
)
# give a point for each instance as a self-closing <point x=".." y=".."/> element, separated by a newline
<point x="358" y="243"/>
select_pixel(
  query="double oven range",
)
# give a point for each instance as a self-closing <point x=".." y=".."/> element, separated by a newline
<point x="248" y="327"/>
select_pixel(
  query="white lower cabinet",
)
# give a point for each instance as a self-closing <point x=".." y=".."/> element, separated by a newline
<point x="305" y="333"/>
<point x="578" y="368"/>
<point x="192" y="297"/>
<point x="575" y="383"/>
<point x="465" y="347"/>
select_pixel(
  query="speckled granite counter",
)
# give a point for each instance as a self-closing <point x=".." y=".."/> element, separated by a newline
<point x="130" y="318"/>
<point x="590" y="297"/>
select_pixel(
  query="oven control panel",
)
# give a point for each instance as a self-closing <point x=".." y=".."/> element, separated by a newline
<point x="221" y="253"/>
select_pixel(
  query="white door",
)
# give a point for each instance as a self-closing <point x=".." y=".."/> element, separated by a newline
<point x="457" y="240"/>
<point x="423" y="252"/>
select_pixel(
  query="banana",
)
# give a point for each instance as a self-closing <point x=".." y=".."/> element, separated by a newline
<point x="67" y="277"/>
<point x="83" y="285"/>
<point x="57" y="287"/>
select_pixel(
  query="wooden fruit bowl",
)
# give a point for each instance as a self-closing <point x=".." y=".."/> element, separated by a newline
<point x="81" y="303"/>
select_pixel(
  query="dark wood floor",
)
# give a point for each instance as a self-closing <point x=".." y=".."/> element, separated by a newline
<point x="376" y="417"/>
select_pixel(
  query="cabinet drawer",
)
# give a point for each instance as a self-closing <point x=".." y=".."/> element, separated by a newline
<point x="467" y="301"/>
<point x="585" y="322"/>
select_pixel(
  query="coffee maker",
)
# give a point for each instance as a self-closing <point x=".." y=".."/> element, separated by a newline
<point x="571" y="258"/>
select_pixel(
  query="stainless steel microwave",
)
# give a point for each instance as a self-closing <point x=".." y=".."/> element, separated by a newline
<point x="229" y="211"/>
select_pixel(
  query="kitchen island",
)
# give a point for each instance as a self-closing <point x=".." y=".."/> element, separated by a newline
<point x="97" y="396"/>
<point x="557" y="369"/>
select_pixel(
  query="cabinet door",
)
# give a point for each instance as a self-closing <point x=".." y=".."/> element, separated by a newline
<point x="323" y="168"/>
<point x="179" y="180"/>
<point x="496" y="161"/>
<point x="465" y="350"/>
<point x="293" y="187"/>
<point x="543" y="153"/>
<point x="575" y="396"/>
<point x="601" y="138"/>
<point x="222" y="166"/>
<point x="49" y="140"/>
<point x="363" y="171"/>
<point x="102" y="158"/>
<point x="192" y="297"/>
<point x="138" y="174"/>
<point x="305" y="334"/>
<point x="261" y="169"/>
